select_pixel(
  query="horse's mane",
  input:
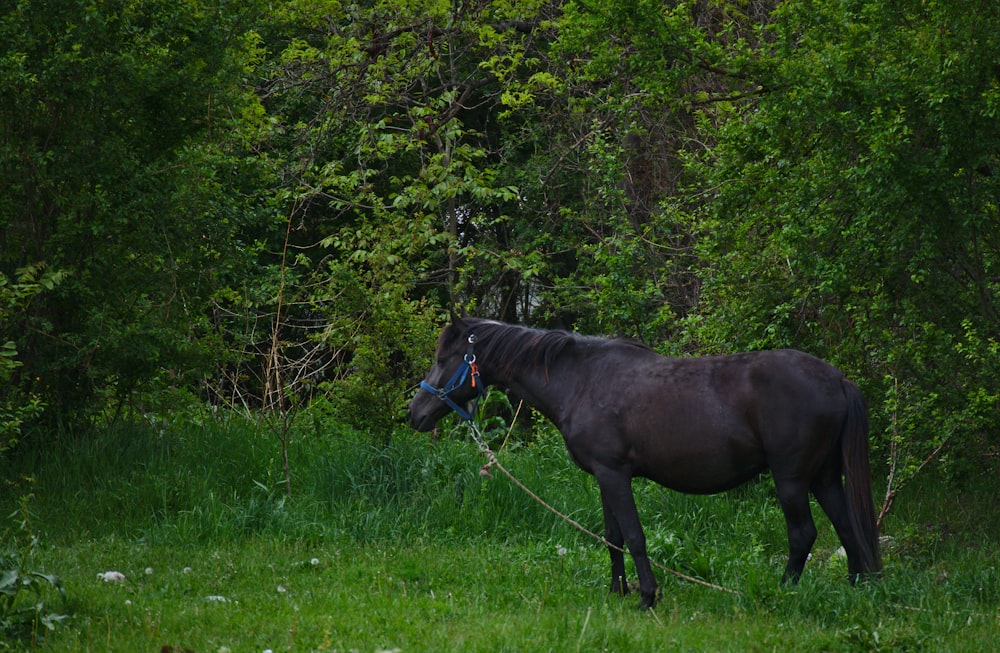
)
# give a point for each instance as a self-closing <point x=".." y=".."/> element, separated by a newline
<point x="510" y="346"/>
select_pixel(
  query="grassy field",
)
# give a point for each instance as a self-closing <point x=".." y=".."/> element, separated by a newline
<point x="402" y="545"/>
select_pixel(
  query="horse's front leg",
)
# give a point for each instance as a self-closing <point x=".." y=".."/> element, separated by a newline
<point x="621" y="520"/>
<point x="616" y="543"/>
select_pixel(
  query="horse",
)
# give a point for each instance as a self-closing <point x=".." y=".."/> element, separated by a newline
<point x="698" y="425"/>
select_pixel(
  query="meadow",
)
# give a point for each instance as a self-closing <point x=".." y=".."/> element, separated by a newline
<point x="397" y="542"/>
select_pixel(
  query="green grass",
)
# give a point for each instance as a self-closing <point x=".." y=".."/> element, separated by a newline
<point x="406" y="546"/>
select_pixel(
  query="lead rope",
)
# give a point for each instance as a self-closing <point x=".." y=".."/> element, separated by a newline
<point x="492" y="461"/>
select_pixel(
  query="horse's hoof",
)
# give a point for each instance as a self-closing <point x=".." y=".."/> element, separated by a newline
<point x="619" y="586"/>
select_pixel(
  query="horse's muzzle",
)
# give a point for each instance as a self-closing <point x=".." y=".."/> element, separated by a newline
<point x="422" y="420"/>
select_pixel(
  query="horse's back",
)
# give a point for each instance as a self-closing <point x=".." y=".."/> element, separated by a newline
<point x="708" y="424"/>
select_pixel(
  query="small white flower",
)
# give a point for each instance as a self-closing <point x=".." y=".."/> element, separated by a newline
<point x="149" y="571"/>
<point x="112" y="577"/>
<point x="281" y="589"/>
<point x="561" y="550"/>
<point x="128" y="602"/>
<point x="314" y="562"/>
<point x="215" y="598"/>
<point x="186" y="570"/>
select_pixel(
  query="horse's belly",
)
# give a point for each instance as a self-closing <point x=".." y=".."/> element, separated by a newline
<point x="691" y="484"/>
<point x="702" y="473"/>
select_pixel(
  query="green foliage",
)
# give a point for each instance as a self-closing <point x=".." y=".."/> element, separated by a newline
<point x="382" y="338"/>
<point x="854" y="213"/>
<point x="16" y="619"/>
<point x="264" y="206"/>
<point x="113" y="170"/>
<point x="17" y="405"/>
<point x="384" y="175"/>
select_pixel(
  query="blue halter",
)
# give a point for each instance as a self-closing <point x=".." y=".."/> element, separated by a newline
<point x="457" y="380"/>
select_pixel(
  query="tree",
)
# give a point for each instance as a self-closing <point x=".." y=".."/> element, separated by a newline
<point x="113" y="171"/>
<point x="381" y="119"/>
<point x="854" y="212"/>
<point x="633" y="78"/>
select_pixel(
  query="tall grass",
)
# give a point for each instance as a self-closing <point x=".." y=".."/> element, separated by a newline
<point x="209" y="477"/>
<point x="216" y="478"/>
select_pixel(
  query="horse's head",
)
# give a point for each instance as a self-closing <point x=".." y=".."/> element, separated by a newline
<point x="445" y="386"/>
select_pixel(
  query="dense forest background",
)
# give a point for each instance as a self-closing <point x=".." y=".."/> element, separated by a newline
<point x="269" y="204"/>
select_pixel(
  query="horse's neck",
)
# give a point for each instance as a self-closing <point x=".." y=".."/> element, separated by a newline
<point x="544" y="389"/>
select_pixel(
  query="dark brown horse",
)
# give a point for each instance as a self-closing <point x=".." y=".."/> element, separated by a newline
<point x="697" y="425"/>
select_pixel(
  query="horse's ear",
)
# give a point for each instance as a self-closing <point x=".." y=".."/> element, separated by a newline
<point x="458" y="320"/>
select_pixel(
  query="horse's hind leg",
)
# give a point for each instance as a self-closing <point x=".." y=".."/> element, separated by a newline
<point x="794" y="498"/>
<point x="829" y="491"/>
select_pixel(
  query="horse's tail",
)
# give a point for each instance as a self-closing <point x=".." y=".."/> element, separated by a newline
<point x="857" y="472"/>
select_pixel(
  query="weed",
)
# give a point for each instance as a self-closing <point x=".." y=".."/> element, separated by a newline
<point x="20" y="619"/>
